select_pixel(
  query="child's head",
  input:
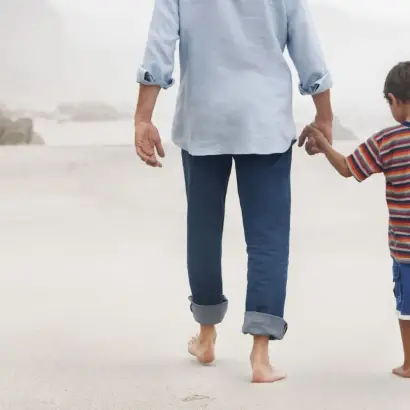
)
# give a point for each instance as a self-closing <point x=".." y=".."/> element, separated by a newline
<point x="397" y="91"/>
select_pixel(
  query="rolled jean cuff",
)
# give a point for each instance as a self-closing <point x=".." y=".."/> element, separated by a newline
<point x="209" y="314"/>
<point x="263" y="324"/>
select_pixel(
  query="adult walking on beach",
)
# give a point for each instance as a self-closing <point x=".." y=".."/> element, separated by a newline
<point x="234" y="104"/>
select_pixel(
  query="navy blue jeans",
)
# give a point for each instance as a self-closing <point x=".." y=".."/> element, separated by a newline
<point x="265" y="196"/>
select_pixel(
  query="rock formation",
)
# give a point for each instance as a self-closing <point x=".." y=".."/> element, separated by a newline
<point x="87" y="112"/>
<point x="18" y="132"/>
<point x="341" y="133"/>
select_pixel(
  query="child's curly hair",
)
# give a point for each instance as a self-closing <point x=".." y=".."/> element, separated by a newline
<point x="398" y="82"/>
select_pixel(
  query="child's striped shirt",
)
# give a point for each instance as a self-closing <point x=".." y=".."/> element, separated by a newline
<point x="388" y="152"/>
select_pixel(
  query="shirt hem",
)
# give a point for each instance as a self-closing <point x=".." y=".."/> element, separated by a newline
<point x="245" y="151"/>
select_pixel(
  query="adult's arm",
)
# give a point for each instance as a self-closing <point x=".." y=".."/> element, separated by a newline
<point x="155" y="73"/>
<point x="159" y="58"/>
<point x="306" y="53"/>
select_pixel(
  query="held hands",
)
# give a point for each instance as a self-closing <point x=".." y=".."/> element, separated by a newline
<point x="316" y="141"/>
<point x="148" y="143"/>
<point x="317" y="137"/>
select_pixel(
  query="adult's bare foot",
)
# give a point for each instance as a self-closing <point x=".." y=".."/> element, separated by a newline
<point x="202" y="346"/>
<point x="263" y="372"/>
<point x="402" y="371"/>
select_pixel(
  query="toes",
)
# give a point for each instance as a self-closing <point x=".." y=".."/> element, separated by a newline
<point x="268" y="379"/>
<point x="192" y="346"/>
<point x="204" y="354"/>
<point x="401" y="372"/>
<point x="267" y="375"/>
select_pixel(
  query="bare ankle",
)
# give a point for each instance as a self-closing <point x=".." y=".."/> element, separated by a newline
<point x="260" y="350"/>
<point x="405" y="336"/>
<point x="207" y="332"/>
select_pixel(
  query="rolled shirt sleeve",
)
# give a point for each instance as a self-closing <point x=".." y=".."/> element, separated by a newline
<point x="365" y="160"/>
<point x="159" y="58"/>
<point x="305" y="50"/>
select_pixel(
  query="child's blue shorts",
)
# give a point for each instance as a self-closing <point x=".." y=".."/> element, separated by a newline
<point x="401" y="278"/>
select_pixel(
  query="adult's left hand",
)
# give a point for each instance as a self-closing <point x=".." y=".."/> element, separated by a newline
<point x="147" y="141"/>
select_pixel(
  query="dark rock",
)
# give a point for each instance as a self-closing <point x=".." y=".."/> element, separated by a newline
<point x="18" y="132"/>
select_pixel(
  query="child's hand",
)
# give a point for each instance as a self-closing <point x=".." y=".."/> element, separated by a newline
<point x="316" y="138"/>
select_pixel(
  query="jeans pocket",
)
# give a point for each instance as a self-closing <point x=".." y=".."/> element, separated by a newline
<point x="397" y="288"/>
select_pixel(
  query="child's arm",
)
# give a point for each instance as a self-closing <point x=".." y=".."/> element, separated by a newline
<point x="337" y="160"/>
<point x="364" y="162"/>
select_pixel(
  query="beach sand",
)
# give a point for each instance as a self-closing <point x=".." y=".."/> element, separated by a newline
<point x="93" y="290"/>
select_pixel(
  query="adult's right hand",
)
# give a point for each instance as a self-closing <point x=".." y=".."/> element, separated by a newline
<point x="326" y="127"/>
<point x="148" y="143"/>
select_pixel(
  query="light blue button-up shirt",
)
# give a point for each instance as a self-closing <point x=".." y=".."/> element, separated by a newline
<point x="235" y="94"/>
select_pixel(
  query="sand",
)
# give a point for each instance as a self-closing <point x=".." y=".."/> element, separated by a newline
<point x="93" y="291"/>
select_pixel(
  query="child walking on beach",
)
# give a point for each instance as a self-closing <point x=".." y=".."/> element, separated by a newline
<point x="386" y="152"/>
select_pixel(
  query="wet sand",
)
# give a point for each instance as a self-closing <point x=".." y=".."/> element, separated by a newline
<point x="93" y="291"/>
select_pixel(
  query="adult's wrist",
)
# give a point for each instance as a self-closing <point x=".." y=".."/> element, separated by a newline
<point x="142" y="119"/>
<point x="324" y="119"/>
